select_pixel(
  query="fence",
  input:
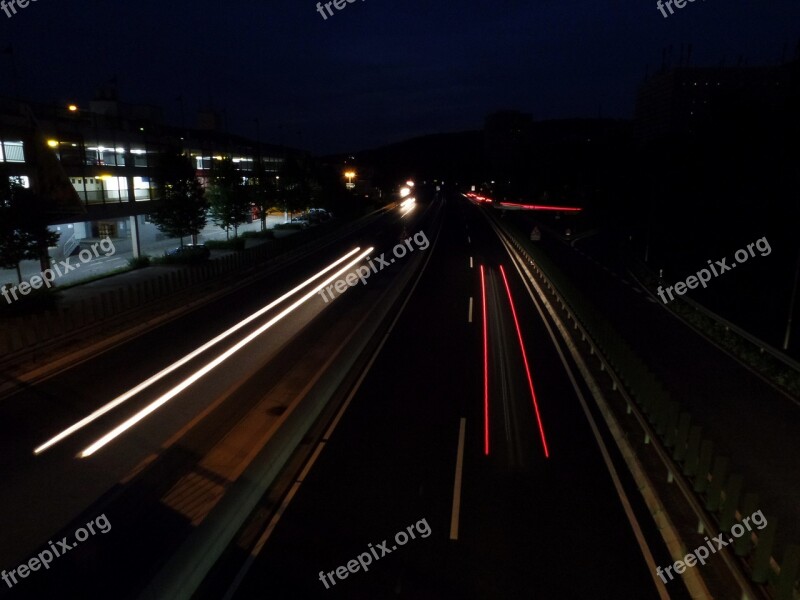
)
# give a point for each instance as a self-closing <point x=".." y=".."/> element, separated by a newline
<point x="40" y="332"/>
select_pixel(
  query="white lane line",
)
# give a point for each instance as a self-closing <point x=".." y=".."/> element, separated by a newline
<point x="469" y="318"/>
<point x="469" y="241"/>
<point x="470" y="262"/>
<point x="457" y="483"/>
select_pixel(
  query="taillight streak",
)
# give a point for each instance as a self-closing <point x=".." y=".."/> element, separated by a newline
<point x="485" y="369"/>
<point x="527" y="367"/>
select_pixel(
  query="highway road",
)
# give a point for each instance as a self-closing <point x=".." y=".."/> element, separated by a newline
<point x="504" y="517"/>
<point x="467" y="444"/>
<point x="192" y="433"/>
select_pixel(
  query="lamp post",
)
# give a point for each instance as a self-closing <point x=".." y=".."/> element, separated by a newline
<point x="350" y="175"/>
<point x="278" y="188"/>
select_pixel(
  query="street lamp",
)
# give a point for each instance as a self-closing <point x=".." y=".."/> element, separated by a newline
<point x="72" y="108"/>
<point x="350" y="175"/>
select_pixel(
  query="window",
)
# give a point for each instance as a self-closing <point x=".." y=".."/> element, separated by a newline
<point x="12" y="152"/>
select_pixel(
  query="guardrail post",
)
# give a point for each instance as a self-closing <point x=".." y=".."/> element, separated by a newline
<point x="766" y="542"/>
<point x="18" y="341"/>
<point x="790" y="567"/>
<point x="91" y="309"/>
<point x="743" y="545"/>
<point x="733" y="489"/>
<point x="672" y="424"/>
<point x="661" y="417"/>
<point x="108" y="307"/>
<point x="703" y="466"/>
<point x="53" y="324"/>
<point x="692" y="451"/>
<point x="61" y="315"/>
<point x="715" y="486"/>
<point x="682" y="436"/>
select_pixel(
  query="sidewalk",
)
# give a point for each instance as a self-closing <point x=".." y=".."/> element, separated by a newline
<point x="124" y="252"/>
<point x="99" y="313"/>
<point x="74" y="294"/>
<point x="96" y="313"/>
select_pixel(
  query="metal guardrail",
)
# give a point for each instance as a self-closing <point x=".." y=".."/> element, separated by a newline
<point x="760" y="344"/>
<point x="661" y="418"/>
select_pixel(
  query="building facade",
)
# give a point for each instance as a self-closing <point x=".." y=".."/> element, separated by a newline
<point x="103" y="175"/>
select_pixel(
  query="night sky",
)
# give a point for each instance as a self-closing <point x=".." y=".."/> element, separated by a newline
<point x="377" y="71"/>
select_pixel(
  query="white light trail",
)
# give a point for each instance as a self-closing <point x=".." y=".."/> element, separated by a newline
<point x="179" y="363"/>
<point x="163" y="399"/>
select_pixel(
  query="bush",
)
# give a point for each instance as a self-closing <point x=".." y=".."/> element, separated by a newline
<point x="236" y="243"/>
<point x="294" y="226"/>
<point x="265" y="235"/>
<point x="178" y="260"/>
<point x="139" y="262"/>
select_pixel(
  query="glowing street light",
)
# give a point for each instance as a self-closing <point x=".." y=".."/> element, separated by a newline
<point x="350" y="175"/>
<point x="52" y="143"/>
<point x="72" y="108"/>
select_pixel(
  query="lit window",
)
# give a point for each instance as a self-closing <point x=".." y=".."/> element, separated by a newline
<point x="12" y="152"/>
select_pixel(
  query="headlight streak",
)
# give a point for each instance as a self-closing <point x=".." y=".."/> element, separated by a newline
<point x="179" y="363"/>
<point x="163" y="399"/>
<point x="407" y="205"/>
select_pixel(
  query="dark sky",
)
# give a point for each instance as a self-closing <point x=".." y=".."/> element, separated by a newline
<point x="379" y="70"/>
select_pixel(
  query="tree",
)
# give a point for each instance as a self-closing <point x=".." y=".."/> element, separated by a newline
<point x="229" y="199"/>
<point x="263" y="192"/>
<point x="297" y="182"/>
<point x="183" y="207"/>
<point x="24" y="234"/>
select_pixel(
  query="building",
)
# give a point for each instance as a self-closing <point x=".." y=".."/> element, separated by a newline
<point x="679" y="101"/>
<point x="96" y="163"/>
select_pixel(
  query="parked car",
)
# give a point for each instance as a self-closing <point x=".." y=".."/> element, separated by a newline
<point x="318" y="215"/>
<point x="189" y="252"/>
<point x="301" y="221"/>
